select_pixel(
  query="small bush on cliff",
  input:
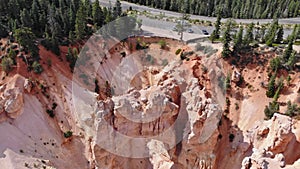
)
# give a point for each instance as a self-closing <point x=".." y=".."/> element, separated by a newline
<point x="162" y="44"/>
<point x="97" y="88"/>
<point x="37" y="68"/>
<point x="231" y="137"/>
<point x="50" y="113"/>
<point x="72" y="58"/>
<point x="227" y="82"/>
<point x="178" y="51"/>
<point x="279" y="85"/>
<point x="271" y="87"/>
<point x="7" y="64"/>
<point x="271" y="109"/>
<point x="68" y="134"/>
<point x="51" y="45"/>
<point x="54" y="105"/>
<point x="292" y="109"/>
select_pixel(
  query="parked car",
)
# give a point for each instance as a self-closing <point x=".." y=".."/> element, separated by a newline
<point x="174" y="28"/>
<point x="190" y="31"/>
<point x="205" y="32"/>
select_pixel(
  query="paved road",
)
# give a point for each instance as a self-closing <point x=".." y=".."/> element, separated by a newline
<point x="126" y="5"/>
<point x="166" y="25"/>
<point x="152" y="31"/>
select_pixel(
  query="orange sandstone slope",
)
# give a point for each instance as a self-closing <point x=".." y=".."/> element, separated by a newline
<point x="165" y="92"/>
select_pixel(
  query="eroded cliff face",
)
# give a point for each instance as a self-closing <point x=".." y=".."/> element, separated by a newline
<point x="164" y="116"/>
<point x="155" y="115"/>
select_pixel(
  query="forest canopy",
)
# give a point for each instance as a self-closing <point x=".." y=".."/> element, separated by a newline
<point x="55" y="19"/>
<point x="256" y="9"/>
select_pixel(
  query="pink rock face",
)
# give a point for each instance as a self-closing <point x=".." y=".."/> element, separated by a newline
<point x="162" y="117"/>
<point x="271" y="141"/>
<point x="12" y="101"/>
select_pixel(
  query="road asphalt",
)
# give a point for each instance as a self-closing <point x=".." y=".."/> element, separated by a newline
<point x="126" y="5"/>
<point x="167" y="25"/>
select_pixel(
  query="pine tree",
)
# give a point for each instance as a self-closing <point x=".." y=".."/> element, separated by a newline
<point x="292" y="109"/>
<point x="80" y="22"/>
<point x="98" y="17"/>
<point x="88" y="8"/>
<point x="72" y="18"/>
<point x="270" y="37"/>
<point x="117" y="11"/>
<point x="238" y="40"/>
<point x="174" y="6"/>
<point x="293" y="36"/>
<point x="25" y="18"/>
<point x="213" y="36"/>
<point x="71" y="37"/>
<point x="54" y="26"/>
<point x="249" y="35"/>
<point x="42" y="17"/>
<point x="26" y="38"/>
<point x="6" y="64"/>
<point x="216" y="33"/>
<point x="275" y="64"/>
<point x="108" y="15"/>
<point x="218" y="25"/>
<point x="230" y="8"/>
<point x="271" y="109"/>
<point x="288" y="51"/>
<point x="280" y="33"/>
<point x="3" y="30"/>
<point x="14" y="9"/>
<point x="271" y="86"/>
<point x="226" y="40"/>
<point x="34" y="14"/>
<point x="262" y="33"/>
<point x="292" y="60"/>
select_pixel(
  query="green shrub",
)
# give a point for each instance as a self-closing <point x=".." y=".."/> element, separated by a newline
<point x="271" y="87"/>
<point x="231" y="137"/>
<point x="292" y="109"/>
<point x="50" y="113"/>
<point x="236" y="106"/>
<point x="51" y="45"/>
<point x="162" y="44"/>
<point x="72" y="57"/>
<point x="37" y="68"/>
<point x="182" y="56"/>
<point x="7" y="64"/>
<point x="271" y="109"/>
<point x="241" y="81"/>
<point x="279" y="87"/>
<point x="227" y="82"/>
<point x="97" y="88"/>
<point x="68" y="134"/>
<point x="227" y="101"/>
<point x="178" y="51"/>
<point x="275" y="64"/>
<point x="54" y="105"/>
